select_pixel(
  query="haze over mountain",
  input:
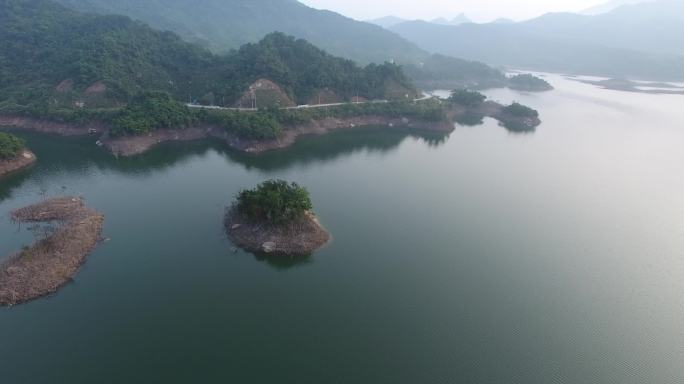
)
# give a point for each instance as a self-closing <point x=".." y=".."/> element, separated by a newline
<point x="222" y="25"/>
<point x="226" y="24"/>
<point x="609" y="6"/>
<point x="458" y="20"/>
<point x="387" y="21"/>
<point x="643" y="40"/>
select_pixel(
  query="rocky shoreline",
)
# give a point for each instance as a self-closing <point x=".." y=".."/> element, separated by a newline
<point x="25" y="159"/>
<point x="47" y="126"/>
<point x="51" y="262"/>
<point x="126" y="146"/>
<point x="133" y="145"/>
<point x="301" y="237"/>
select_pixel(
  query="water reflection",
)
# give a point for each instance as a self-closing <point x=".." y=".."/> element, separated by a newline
<point x="282" y="263"/>
<point x="10" y="182"/>
<point x="332" y="146"/>
<point x="470" y="119"/>
<point x="518" y="128"/>
<point x="83" y="156"/>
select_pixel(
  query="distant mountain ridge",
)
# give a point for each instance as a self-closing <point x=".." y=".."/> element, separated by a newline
<point x="458" y="20"/>
<point x="387" y="21"/>
<point x="645" y="40"/>
<point x="610" y="6"/>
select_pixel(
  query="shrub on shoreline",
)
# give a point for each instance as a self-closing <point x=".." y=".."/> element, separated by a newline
<point x="10" y="146"/>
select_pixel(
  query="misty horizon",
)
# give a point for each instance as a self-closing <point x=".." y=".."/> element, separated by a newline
<point x="477" y="11"/>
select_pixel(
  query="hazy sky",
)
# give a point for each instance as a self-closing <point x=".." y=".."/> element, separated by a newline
<point x="480" y="10"/>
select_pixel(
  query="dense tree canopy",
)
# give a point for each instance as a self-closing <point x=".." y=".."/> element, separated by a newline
<point x="439" y="72"/>
<point x="274" y="201"/>
<point x="528" y="82"/>
<point x="223" y="25"/>
<point x="10" y="146"/>
<point x="519" y="110"/>
<point x="150" y="111"/>
<point x="467" y="98"/>
<point x="53" y="56"/>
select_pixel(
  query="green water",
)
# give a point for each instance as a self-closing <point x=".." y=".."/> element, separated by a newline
<point x="481" y="257"/>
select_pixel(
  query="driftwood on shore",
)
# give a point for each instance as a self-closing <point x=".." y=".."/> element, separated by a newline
<point x="301" y="237"/>
<point x="51" y="262"/>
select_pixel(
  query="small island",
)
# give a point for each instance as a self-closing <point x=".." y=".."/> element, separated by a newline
<point x="468" y="107"/>
<point x="275" y="218"/>
<point x="528" y="83"/>
<point x="70" y="233"/>
<point x="13" y="154"/>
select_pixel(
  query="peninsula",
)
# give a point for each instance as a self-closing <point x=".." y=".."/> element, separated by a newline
<point x="52" y="261"/>
<point x="153" y="118"/>
<point x="275" y="218"/>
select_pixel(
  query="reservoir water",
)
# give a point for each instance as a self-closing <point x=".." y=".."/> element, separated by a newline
<point x="483" y="257"/>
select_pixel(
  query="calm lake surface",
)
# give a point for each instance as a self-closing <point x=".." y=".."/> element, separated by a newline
<point x="481" y="257"/>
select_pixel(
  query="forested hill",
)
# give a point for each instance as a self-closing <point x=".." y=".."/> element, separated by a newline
<point x="222" y="25"/>
<point x="48" y="50"/>
<point x="49" y="53"/>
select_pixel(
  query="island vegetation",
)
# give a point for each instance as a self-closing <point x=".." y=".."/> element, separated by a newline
<point x="519" y="110"/>
<point x="468" y="107"/>
<point x="13" y="154"/>
<point x="276" y="218"/>
<point x="529" y="83"/>
<point x="519" y="118"/>
<point x="467" y="98"/>
<point x="10" y="146"/>
<point x="70" y="231"/>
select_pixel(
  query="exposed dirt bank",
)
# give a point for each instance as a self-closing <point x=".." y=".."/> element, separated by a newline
<point x="23" y="160"/>
<point x="133" y="145"/>
<point x="51" y="262"/>
<point x="302" y="237"/>
<point x="47" y="126"/>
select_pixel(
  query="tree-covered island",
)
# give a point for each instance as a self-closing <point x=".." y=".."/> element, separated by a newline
<point x="529" y="83"/>
<point x="276" y="217"/>
<point x="468" y="107"/>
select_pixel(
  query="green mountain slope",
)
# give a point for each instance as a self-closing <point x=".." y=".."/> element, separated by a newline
<point x="222" y="25"/>
<point x="57" y="57"/>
